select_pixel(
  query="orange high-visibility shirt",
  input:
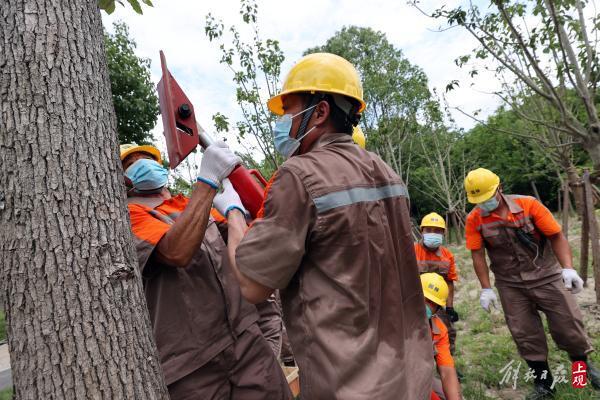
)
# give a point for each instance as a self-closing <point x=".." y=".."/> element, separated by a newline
<point x="441" y="342"/>
<point x="541" y="216"/>
<point x="440" y="261"/>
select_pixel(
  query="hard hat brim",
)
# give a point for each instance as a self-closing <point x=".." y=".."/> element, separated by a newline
<point x="153" y="151"/>
<point x="480" y="198"/>
<point x="436" y="300"/>
<point x="275" y="103"/>
<point x="432" y="225"/>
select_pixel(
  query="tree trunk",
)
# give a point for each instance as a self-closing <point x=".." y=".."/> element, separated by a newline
<point x="593" y="224"/>
<point x="565" y="208"/>
<point x="592" y="147"/>
<point x="457" y="228"/>
<point x="585" y="250"/>
<point x="576" y="186"/>
<point x="78" y="326"/>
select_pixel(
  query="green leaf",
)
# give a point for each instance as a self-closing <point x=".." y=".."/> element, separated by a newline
<point x="107" y="5"/>
<point x="453" y="84"/>
<point x="136" y="6"/>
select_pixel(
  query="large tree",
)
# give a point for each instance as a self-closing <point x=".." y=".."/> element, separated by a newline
<point x="133" y="92"/>
<point x="78" y="326"/>
<point x="542" y="48"/>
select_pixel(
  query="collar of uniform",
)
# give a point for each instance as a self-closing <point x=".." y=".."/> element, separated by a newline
<point x="434" y="327"/>
<point x="179" y="201"/>
<point x="151" y="201"/>
<point x="328" y="138"/>
<point x="154" y="201"/>
<point x="513" y="207"/>
<point x="437" y="252"/>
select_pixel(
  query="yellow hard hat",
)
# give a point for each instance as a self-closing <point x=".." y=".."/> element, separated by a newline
<point x="433" y="220"/>
<point x="130" y="148"/>
<point x="435" y="288"/>
<point x="481" y="185"/>
<point x="359" y="137"/>
<point x="320" y="72"/>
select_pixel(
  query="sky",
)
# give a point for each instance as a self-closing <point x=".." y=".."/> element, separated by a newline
<point x="177" y="28"/>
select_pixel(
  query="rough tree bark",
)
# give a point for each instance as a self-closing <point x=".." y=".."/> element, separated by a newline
<point x="576" y="186"/>
<point x="585" y="249"/>
<point x="564" y="207"/>
<point x="594" y="234"/>
<point x="78" y="326"/>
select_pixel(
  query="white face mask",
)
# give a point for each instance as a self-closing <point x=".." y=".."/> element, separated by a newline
<point x="284" y="143"/>
<point x="433" y="240"/>
<point x="489" y="205"/>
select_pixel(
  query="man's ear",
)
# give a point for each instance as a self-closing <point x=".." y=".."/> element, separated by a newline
<point x="322" y="111"/>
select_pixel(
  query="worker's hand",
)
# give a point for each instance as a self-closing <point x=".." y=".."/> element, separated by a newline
<point x="228" y="199"/>
<point x="453" y="315"/>
<point x="488" y="298"/>
<point x="572" y="280"/>
<point x="217" y="163"/>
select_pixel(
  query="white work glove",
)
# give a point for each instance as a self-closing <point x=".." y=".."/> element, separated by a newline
<point x="572" y="280"/>
<point x="217" y="163"/>
<point x="228" y="199"/>
<point x="488" y="298"/>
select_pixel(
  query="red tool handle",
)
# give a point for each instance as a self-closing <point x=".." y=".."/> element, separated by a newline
<point x="251" y="192"/>
<point x="258" y="176"/>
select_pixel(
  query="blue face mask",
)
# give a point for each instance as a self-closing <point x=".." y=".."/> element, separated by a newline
<point x="489" y="205"/>
<point x="146" y="174"/>
<point x="433" y="240"/>
<point x="428" y="311"/>
<point x="284" y="144"/>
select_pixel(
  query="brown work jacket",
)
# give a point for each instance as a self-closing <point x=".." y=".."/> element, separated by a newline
<point x="513" y="262"/>
<point x="335" y="238"/>
<point x="195" y="311"/>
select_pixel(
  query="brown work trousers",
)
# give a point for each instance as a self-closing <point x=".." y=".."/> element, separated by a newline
<point x="521" y="310"/>
<point x="246" y="370"/>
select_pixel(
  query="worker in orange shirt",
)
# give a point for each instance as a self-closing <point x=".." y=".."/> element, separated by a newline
<point x="207" y="335"/>
<point x="533" y="268"/>
<point x="436" y="290"/>
<point x="433" y="257"/>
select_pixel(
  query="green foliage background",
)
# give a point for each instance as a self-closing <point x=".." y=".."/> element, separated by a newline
<point x="133" y="93"/>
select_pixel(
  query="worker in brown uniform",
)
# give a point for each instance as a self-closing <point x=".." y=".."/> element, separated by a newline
<point x="209" y="343"/>
<point x="335" y="238"/>
<point x="527" y="250"/>
<point x="433" y="257"/>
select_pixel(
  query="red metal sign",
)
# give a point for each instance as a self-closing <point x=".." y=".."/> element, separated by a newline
<point x="179" y="120"/>
<point x="183" y="134"/>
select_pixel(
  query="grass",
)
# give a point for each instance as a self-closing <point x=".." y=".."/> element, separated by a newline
<point x="6" y="394"/>
<point x="484" y="344"/>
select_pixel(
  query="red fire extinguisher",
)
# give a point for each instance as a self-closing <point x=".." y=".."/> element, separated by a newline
<point x="183" y="134"/>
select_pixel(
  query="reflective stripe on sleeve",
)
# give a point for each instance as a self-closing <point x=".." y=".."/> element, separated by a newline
<point x="358" y="195"/>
